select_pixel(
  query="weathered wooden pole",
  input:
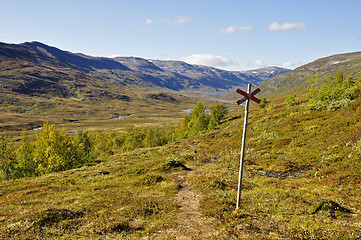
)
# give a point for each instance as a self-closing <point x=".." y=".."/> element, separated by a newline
<point x="240" y="175"/>
<point x="247" y="96"/>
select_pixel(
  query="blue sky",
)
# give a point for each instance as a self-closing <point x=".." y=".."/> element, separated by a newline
<point x="232" y="35"/>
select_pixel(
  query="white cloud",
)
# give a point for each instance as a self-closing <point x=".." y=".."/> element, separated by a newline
<point x="257" y="63"/>
<point x="176" y="21"/>
<point x="292" y="65"/>
<point x="181" y="20"/>
<point x="286" y="26"/>
<point x="286" y="65"/>
<point x="234" y="28"/>
<point x="207" y="59"/>
<point x="148" y="21"/>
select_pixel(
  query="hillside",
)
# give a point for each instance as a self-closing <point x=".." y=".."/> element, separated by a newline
<point x="302" y="165"/>
<point x="35" y="68"/>
<point x="296" y="80"/>
<point x="301" y="181"/>
<point x="40" y="83"/>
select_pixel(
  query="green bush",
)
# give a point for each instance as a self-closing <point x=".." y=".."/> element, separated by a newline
<point x="54" y="150"/>
<point x="7" y="157"/>
<point x="24" y="166"/>
<point x="263" y="102"/>
<point x="332" y="93"/>
<point x="200" y="120"/>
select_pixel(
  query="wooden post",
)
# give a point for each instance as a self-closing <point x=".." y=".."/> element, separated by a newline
<point x="243" y="149"/>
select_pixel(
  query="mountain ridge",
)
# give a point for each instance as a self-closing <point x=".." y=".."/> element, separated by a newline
<point x="297" y="79"/>
<point x="32" y="67"/>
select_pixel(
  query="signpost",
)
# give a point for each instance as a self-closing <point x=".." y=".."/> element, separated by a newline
<point x="246" y="97"/>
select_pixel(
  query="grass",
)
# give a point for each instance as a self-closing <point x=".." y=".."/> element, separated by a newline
<point x="118" y="197"/>
<point x="19" y="112"/>
<point x="301" y="181"/>
<point x="296" y="160"/>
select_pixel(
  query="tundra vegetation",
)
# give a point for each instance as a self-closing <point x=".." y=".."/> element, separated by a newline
<point x="301" y="179"/>
<point x="54" y="150"/>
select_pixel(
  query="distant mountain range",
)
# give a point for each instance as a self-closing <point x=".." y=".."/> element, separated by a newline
<point x="34" y="68"/>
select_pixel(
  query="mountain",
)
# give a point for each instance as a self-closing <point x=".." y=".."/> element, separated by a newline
<point x="262" y="74"/>
<point x="301" y="181"/>
<point x="217" y="78"/>
<point x="297" y="79"/>
<point x="34" y="68"/>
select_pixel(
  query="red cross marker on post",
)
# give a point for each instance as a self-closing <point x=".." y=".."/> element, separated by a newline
<point x="246" y="97"/>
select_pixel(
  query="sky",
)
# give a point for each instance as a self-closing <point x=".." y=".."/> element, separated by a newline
<point x="234" y="35"/>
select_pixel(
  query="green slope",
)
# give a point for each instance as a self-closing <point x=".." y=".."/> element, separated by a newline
<point x="296" y="80"/>
<point x="302" y="181"/>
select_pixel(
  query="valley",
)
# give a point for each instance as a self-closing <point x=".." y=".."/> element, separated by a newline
<point x="129" y="148"/>
<point x="302" y="180"/>
<point x="147" y="108"/>
<point x="40" y="83"/>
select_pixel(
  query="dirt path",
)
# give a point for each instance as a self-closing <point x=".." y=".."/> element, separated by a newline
<point x="190" y="223"/>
